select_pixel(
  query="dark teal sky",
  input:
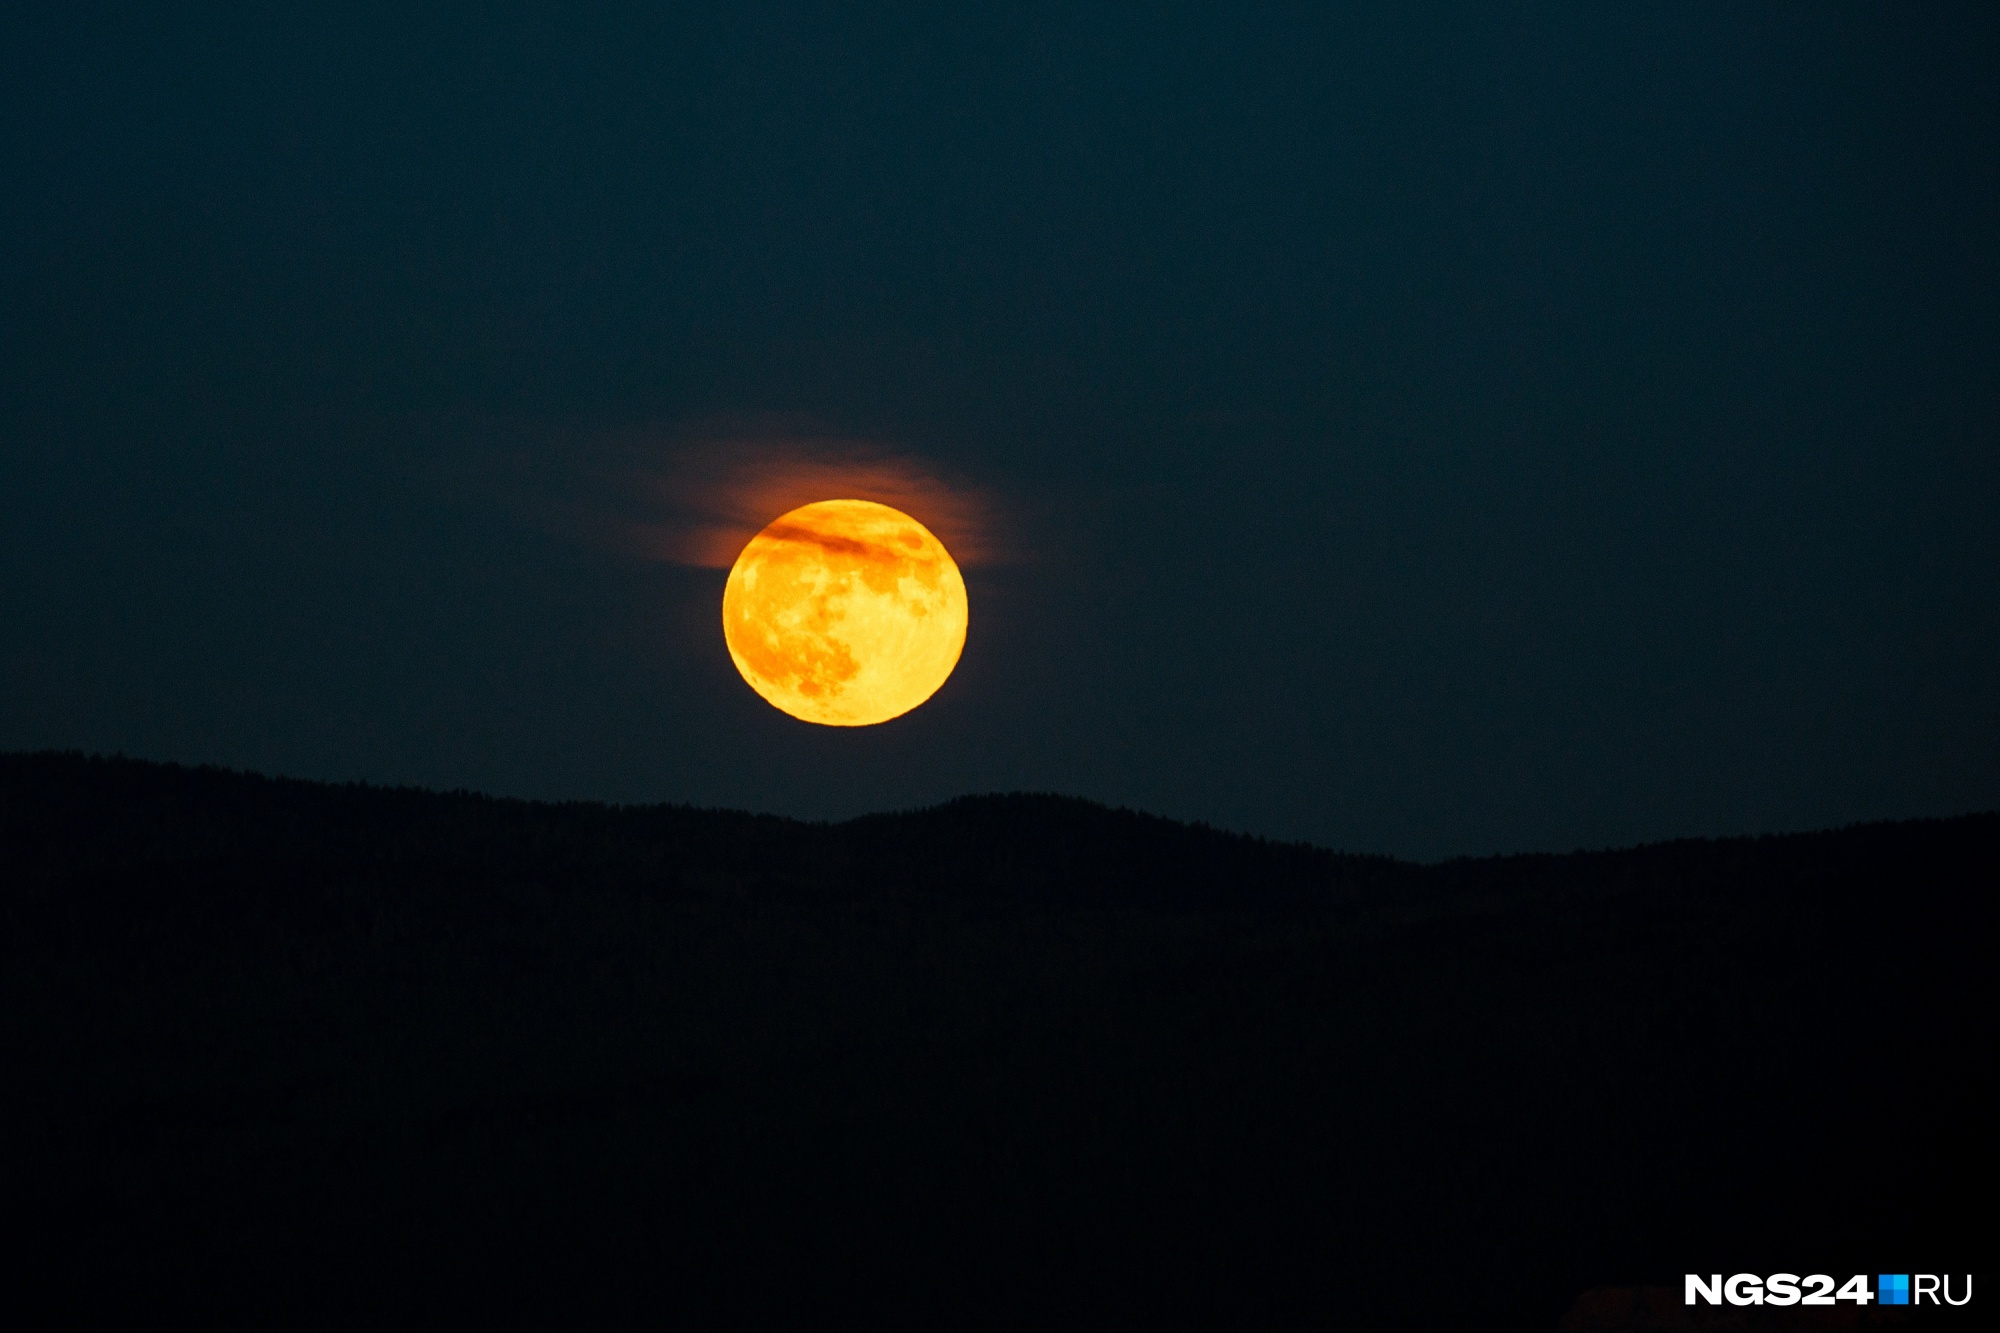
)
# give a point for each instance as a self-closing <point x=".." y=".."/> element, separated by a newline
<point x="1425" y="429"/>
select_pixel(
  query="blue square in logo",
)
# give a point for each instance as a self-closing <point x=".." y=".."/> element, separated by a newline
<point x="1892" y="1289"/>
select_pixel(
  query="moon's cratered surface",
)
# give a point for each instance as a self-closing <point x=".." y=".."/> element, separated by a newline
<point x="845" y="613"/>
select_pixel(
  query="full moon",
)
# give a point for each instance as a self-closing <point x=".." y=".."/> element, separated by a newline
<point x="845" y="613"/>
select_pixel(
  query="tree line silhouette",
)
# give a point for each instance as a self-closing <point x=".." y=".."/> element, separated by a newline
<point x="305" y="1054"/>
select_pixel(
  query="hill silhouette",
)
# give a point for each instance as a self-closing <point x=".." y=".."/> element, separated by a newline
<point x="306" y="1055"/>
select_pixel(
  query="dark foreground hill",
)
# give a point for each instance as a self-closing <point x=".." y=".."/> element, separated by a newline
<point x="295" y="1055"/>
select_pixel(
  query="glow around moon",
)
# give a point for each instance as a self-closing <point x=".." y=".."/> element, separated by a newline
<point x="845" y="613"/>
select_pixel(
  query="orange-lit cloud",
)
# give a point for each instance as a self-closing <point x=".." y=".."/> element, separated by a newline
<point x="713" y="494"/>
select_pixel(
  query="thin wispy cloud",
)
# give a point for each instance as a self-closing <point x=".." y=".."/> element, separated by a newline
<point x="710" y="492"/>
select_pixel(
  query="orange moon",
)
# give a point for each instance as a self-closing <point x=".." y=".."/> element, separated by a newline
<point x="845" y="613"/>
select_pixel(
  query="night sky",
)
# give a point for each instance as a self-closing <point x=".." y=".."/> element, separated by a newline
<point x="1412" y="428"/>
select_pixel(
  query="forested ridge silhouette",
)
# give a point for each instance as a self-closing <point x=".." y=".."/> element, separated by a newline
<point x="310" y="1055"/>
